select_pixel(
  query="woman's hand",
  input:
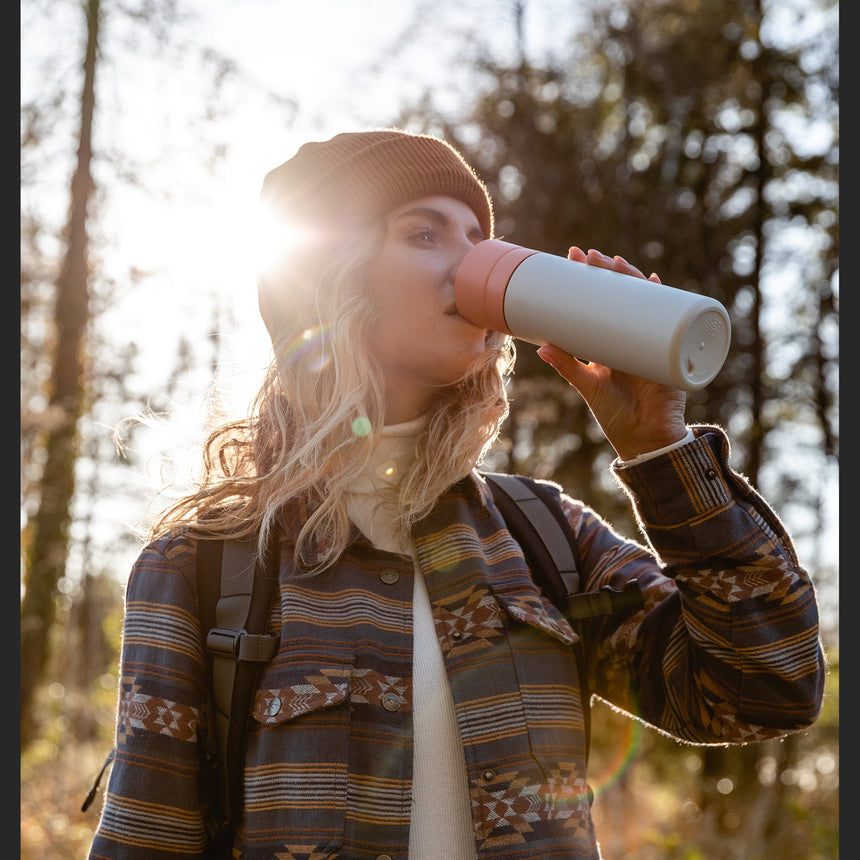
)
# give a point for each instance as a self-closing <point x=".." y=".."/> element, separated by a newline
<point x="637" y="416"/>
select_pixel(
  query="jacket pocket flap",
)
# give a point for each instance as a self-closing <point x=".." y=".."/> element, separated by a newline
<point x="531" y="608"/>
<point x="311" y="692"/>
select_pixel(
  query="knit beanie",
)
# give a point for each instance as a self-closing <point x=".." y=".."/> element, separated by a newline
<point x="355" y="177"/>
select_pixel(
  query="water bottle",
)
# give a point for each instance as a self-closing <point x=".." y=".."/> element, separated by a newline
<point x="654" y="331"/>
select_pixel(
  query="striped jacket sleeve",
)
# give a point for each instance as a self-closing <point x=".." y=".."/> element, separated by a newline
<point x="727" y="647"/>
<point x="153" y="807"/>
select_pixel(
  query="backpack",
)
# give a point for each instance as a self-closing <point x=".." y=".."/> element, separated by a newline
<point x="234" y="622"/>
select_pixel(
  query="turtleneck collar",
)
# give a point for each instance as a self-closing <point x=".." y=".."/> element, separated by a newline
<point x="393" y="454"/>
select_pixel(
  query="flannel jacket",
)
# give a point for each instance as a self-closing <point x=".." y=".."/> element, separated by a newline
<point x="725" y="650"/>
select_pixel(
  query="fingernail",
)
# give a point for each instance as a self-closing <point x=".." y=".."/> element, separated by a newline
<point x="544" y="357"/>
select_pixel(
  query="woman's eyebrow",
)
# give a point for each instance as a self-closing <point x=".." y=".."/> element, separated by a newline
<point x="438" y="217"/>
<point x="425" y="212"/>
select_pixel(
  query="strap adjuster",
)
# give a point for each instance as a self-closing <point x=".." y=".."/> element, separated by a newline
<point x="224" y="643"/>
<point x="242" y="646"/>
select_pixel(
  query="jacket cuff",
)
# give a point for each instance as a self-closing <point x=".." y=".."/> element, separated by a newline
<point x="684" y="484"/>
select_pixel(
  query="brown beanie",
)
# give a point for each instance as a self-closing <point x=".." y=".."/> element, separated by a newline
<point x="357" y="176"/>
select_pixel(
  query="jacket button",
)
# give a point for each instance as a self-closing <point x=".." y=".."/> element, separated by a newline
<point x="710" y="474"/>
<point x="488" y="775"/>
<point x="384" y="857"/>
<point x="274" y="706"/>
<point x="389" y="576"/>
<point x="391" y="702"/>
<point x="456" y="634"/>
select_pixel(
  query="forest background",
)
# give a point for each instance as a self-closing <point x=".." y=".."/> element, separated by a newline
<point x="696" y="138"/>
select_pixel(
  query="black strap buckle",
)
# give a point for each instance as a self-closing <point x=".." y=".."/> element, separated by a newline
<point x="241" y="646"/>
<point x="224" y="643"/>
<point x="607" y="601"/>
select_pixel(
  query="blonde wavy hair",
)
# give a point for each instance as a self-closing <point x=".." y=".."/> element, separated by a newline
<point x="311" y="425"/>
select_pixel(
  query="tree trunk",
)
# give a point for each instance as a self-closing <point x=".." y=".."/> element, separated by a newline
<point x="47" y="549"/>
<point x="758" y="430"/>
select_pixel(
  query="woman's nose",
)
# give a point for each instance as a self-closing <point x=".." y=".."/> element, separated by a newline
<point x="461" y="248"/>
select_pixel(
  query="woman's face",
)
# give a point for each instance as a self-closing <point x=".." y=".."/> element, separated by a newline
<point x="420" y="340"/>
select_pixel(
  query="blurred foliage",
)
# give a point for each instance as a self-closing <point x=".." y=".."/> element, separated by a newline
<point x="76" y="711"/>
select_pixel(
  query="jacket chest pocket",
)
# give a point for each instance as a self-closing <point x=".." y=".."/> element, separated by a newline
<point x="547" y="671"/>
<point x="297" y="759"/>
<point x="548" y="778"/>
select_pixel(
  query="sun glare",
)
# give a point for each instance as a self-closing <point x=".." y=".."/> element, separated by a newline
<point x="274" y="238"/>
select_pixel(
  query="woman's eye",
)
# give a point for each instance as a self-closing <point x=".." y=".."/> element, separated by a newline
<point x="425" y="235"/>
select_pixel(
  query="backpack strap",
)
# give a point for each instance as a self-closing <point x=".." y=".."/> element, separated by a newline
<point x="544" y="540"/>
<point x="91" y="794"/>
<point x="233" y="620"/>
<point x="545" y="536"/>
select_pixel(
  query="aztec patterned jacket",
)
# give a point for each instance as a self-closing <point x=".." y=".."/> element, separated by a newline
<point x="725" y="650"/>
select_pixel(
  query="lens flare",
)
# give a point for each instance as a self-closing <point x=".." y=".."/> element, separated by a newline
<point x="625" y="745"/>
<point x="361" y="426"/>
<point x="309" y="346"/>
<point x="387" y="470"/>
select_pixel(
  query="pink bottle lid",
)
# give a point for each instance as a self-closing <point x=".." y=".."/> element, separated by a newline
<point x="482" y="279"/>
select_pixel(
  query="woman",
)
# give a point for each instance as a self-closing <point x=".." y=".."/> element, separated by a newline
<point x="425" y="700"/>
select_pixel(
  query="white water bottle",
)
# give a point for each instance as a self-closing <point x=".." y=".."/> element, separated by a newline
<point x="655" y="331"/>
